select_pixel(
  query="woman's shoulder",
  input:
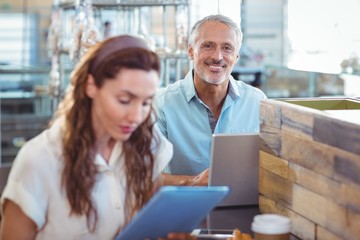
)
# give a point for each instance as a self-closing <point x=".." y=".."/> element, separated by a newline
<point x="41" y="150"/>
<point x="160" y="144"/>
<point x="170" y="90"/>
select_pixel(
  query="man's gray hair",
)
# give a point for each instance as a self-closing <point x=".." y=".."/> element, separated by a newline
<point x="215" y="18"/>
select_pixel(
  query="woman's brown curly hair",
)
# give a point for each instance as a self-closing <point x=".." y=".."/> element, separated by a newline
<point x="80" y="172"/>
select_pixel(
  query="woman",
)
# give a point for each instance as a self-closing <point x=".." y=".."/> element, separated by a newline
<point x="98" y="162"/>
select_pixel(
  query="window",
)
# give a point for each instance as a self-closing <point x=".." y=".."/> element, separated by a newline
<point x="322" y="34"/>
<point x="19" y="45"/>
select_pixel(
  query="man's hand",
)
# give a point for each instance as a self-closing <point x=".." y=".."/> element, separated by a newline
<point x="186" y="180"/>
<point x="201" y="179"/>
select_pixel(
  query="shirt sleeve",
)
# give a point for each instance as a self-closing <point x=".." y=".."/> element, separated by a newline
<point x="163" y="152"/>
<point x="160" y="116"/>
<point x="26" y="183"/>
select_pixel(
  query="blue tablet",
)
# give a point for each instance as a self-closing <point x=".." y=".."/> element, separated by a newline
<point x="173" y="209"/>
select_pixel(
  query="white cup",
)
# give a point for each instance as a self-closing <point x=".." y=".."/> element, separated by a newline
<point x="271" y="227"/>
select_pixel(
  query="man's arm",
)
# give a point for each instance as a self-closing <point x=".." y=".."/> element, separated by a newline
<point x="186" y="180"/>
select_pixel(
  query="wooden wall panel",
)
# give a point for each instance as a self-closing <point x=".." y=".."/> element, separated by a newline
<point x="274" y="164"/>
<point x="323" y="234"/>
<point x="321" y="210"/>
<point x="309" y="171"/>
<point x="270" y="114"/>
<point x="309" y="154"/>
<point x="340" y="134"/>
<point x="347" y="166"/>
<point x="275" y="187"/>
<point x="320" y="184"/>
<point x="350" y="196"/>
<point x="270" y="140"/>
<point x="297" y="121"/>
<point x="301" y="227"/>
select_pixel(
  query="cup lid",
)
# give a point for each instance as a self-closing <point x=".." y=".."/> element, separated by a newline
<point x="270" y="224"/>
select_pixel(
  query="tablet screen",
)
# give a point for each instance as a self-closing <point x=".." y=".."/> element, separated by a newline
<point x="173" y="209"/>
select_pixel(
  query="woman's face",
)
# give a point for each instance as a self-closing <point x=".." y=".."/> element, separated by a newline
<point x="122" y="103"/>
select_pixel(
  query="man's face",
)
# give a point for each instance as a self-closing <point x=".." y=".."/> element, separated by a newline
<point x="214" y="53"/>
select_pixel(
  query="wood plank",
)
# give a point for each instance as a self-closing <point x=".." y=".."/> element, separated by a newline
<point x="337" y="133"/>
<point x="267" y="204"/>
<point x="350" y="196"/>
<point x="298" y="120"/>
<point x="308" y="154"/>
<point x="293" y="237"/>
<point x="275" y="187"/>
<point x="274" y="164"/>
<point x="270" y="140"/>
<point x="352" y="231"/>
<point x="348" y="168"/>
<point x="315" y="182"/>
<point x="309" y="169"/>
<point x="321" y="210"/>
<point x="322" y="233"/>
<point x="270" y="114"/>
<point x="301" y="227"/>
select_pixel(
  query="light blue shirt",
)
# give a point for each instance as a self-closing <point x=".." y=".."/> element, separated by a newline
<point x="184" y="119"/>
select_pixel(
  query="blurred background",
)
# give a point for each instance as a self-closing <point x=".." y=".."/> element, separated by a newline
<point x="291" y="48"/>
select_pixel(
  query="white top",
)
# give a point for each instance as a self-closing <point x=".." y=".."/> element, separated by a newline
<point x="34" y="185"/>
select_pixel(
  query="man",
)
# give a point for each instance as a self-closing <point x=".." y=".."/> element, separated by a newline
<point x="209" y="100"/>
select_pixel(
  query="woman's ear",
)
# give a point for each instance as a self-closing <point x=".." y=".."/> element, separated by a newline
<point x="90" y="86"/>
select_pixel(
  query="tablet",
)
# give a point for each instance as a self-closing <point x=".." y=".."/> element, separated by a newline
<point x="173" y="209"/>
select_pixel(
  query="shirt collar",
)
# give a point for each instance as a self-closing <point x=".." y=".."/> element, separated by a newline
<point x="189" y="86"/>
<point x="233" y="89"/>
<point x="114" y="158"/>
